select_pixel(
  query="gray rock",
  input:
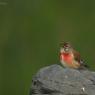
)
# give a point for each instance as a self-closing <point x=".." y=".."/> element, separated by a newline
<point x="56" y="80"/>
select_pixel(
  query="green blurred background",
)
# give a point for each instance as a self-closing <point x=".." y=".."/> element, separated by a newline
<point x="30" y="33"/>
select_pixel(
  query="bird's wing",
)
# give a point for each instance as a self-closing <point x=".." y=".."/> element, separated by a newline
<point x="77" y="57"/>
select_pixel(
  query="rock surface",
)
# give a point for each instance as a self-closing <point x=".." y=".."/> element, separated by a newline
<point x="56" y="80"/>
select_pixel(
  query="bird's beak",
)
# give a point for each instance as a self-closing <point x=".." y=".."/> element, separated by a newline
<point x="66" y="49"/>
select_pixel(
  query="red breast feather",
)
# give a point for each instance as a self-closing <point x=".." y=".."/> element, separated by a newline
<point x="66" y="57"/>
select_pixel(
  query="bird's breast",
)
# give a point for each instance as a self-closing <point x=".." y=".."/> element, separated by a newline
<point x="68" y="58"/>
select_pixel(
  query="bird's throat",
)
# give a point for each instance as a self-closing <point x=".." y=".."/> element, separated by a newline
<point x="67" y="57"/>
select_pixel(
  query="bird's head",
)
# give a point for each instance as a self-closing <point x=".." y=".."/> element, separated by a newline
<point x="65" y="47"/>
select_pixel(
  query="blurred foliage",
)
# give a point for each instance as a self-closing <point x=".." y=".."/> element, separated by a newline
<point x="30" y="33"/>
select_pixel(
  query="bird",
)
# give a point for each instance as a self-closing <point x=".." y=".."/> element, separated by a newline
<point x="70" y="58"/>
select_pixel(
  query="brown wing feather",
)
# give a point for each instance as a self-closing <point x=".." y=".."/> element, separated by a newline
<point x="76" y="56"/>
